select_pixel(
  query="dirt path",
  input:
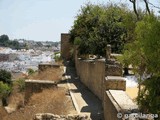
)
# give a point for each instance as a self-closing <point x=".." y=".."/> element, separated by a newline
<point x="83" y="99"/>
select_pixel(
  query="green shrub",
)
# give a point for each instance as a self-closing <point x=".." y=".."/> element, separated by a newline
<point x="21" y="84"/>
<point x="149" y="98"/>
<point x="30" y="71"/>
<point x="5" y="90"/>
<point x="5" y="77"/>
<point x="57" y="56"/>
<point x="96" y="26"/>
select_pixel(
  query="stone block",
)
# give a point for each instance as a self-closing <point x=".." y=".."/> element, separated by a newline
<point x="117" y="104"/>
<point x="113" y="70"/>
<point x="43" y="67"/>
<point x="114" y="83"/>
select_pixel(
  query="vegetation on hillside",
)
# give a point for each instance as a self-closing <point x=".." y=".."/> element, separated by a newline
<point x="5" y="77"/>
<point x="5" y="90"/>
<point x="5" y="85"/>
<point x="53" y="74"/>
<point x="52" y="101"/>
<point x="5" y="42"/>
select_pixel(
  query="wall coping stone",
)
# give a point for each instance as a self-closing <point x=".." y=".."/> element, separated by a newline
<point x="92" y="60"/>
<point x="50" y="64"/>
<point x="115" y="78"/>
<point x="40" y="81"/>
<point x="123" y="100"/>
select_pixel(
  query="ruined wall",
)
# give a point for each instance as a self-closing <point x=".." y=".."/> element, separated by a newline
<point x="104" y="78"/>
<point x="43" y="67"/>
<point x="35" y="86"/>
<point x="65" y="46"/>
<point x="49" y="116"/>
<point x="117" y="105"/>
<point x="92" y="73"/>
<point x="110" y="107"/>
<point x="114" y="83"/>
<point x="113" y="70"/>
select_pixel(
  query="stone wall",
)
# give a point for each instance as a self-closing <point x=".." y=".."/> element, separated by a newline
<point x="109" y="89"/>
<point x="104" y="78"/>
<point x="118" y="105"/>
<point x="114" y="83"/>
<point x="43" y="67"/>
<point x="113" y="70"/>
<point x="65" y="46"/>
<point x="110" y="107"/>
<point x="95" y="76"/>
<point x="35" y="86"/>
<point x="92" y="73"/>
<point x="49" y="116"/>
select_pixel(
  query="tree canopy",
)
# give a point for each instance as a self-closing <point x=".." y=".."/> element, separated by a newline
<point x="98" y="25"/>
<point x="6" y="42"/>
<point x="143" y="55"/>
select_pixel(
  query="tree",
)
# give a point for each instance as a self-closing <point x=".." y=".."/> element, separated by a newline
<point x="5" y="42"/>
<point x="99" y="25"/>
<point x="15" y="44"/>
<point x="134" y="8"/>
<point x="143" y="55"/>
<point x="26" y="46"/>
<point x="4" y="39"/>
<point x="147" y="7"/>
<point x="146" y="2"/>
<point x="5" y="77"/>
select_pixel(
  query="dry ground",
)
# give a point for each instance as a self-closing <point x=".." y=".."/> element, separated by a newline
<point x="48" y="74"/>
<point x="48" y="101"/>
<point x="2" y="113"/>
<point x="55" y="100"/>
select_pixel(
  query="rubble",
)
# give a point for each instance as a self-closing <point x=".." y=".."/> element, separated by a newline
<point x="49" y="116"/>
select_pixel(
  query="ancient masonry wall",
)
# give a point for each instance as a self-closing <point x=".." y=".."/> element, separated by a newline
<point x="104" y="78"/>
<point x="35" y="86"/>
<point x="65" y="46"/>
<point x="43" y="67"/>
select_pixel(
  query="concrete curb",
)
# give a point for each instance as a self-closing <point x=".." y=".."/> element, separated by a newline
<point x="73" y="99"/>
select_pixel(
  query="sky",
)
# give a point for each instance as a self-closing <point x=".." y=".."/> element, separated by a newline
<point x="41" y="20"/>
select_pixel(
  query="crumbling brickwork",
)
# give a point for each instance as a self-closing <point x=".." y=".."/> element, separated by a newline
<point x="65" y="46"/>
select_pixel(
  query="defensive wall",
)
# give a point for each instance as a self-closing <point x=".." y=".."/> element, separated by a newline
<point x="92" y="73"/>
<point x="35" y="86"/>
<point x="45" y="66"/>
<point x="104" y="78"/>
<point x="65" y="46"/>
